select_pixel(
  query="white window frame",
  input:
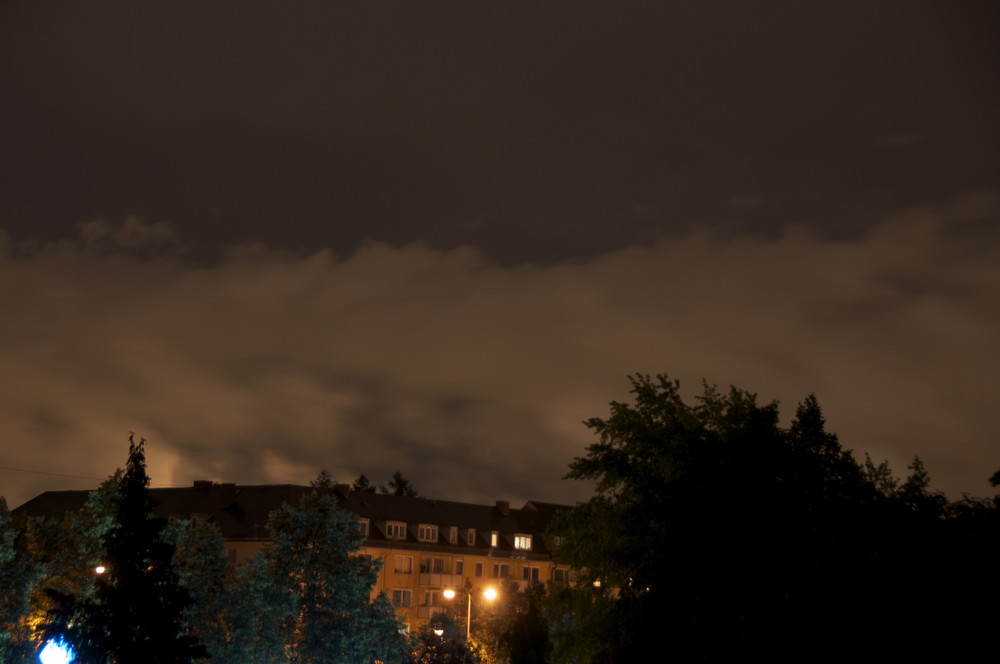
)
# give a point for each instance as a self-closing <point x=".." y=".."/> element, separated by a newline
<point x="453" y="535"/>
<point x="395" y="530"/>
<point x="470" y="537"/>
<point x="402" y="598"/>
<point x="427" y="533"/>
<point x="407" y="567"/>
<point x="363" y="526"/>
<point x="522" y="541"/>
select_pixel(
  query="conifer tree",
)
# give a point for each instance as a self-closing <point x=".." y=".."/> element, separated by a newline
<point x="135" y="613"/>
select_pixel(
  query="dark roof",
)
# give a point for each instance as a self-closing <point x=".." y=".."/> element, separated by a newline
<point x="241" y="512"/>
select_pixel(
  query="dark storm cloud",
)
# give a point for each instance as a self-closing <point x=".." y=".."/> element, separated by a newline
<point x="472" y="377"/>
<point x="531" y="130"/>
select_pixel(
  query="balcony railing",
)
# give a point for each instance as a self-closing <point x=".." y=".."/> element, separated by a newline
<point x="441" y="580"/>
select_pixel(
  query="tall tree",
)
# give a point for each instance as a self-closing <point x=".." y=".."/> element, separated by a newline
<point x="363" y="485"/>
<point x="135" y="613"/>
<point x="20" y="574"/>
<point x="400" y="486"/>
<point x="722" y="535"/>
<point x="312" y="557"/>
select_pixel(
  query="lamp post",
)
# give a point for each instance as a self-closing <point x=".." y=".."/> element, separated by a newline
<point x="489" y="593"/>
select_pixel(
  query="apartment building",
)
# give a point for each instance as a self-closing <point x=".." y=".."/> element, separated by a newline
<point x="424" y="546"/>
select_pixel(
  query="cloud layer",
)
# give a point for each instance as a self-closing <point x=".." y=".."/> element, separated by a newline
<point x="473" y="377"/>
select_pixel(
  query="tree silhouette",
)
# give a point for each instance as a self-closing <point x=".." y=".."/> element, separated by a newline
<point x="135" y="613"/>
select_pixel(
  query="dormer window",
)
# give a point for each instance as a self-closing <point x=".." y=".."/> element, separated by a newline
<point x="494" y="538"/>
<point x="395" y="530"/>
<point x="470" y="537"/>
<point x="427" y="533"/>
<point x="522" y="541"/>
<point x="453" y="535"/>
<point x="363" y="527"/>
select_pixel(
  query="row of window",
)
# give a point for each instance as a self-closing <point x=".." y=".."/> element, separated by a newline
<point x="429" y="533"/>
<point x="404" y="565"/>
<point x="403" y="597"/>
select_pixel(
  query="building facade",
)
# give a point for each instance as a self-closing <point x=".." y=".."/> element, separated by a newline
<point x="422" y="546"/>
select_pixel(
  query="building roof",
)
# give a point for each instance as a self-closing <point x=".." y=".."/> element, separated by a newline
<point x="240" y="512"/>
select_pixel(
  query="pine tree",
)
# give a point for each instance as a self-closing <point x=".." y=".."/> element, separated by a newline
<point x="135" y="614"/>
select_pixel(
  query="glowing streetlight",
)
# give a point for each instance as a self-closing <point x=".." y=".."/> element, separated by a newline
<point x="489" y="593"/>
<point x="100" y="569"/>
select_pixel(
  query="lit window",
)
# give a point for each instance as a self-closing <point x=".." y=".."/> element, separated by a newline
<point x="426" y="533"/>
<point x="401" y="599"/>
<point x="404" y="565"/>
<point x="522" y="542"/>
<point x="470" y="537"/>
<point x="453" y="535"/>
<point x="501" y="571"/>
<point x="531" y="574"/>
<point x="363" y="527"/>
<point x="494" y="537"/>
<point x="395" y="530"/>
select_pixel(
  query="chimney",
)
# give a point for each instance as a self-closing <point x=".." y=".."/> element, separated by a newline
<point x="503" y="506"/>
<point x="203" y="484"/>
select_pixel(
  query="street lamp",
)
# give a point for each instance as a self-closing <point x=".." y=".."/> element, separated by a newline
<point x="489" y="593"/>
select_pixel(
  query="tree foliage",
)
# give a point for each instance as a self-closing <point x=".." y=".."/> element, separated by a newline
<point x="135" y="611"/>
<point x="312" y="560"/>
<point x="725" y="535"/>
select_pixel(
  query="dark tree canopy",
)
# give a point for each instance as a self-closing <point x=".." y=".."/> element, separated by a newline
<point x="400" y="486"/>
<point x="135" y="613"/>
<point x="718" y="535"/>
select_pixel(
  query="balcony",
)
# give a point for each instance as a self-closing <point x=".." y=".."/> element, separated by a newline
<point x="441" y="580"/>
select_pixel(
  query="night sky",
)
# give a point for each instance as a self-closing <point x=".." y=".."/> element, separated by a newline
<point x="273" y="238"/>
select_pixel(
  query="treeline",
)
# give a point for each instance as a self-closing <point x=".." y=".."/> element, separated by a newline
<point x="717" y="535"/>
<point x="120" y="585"/>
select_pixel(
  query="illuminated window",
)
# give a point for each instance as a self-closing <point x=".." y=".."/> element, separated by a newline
<point x="530" y="574"/>
<point x="522" y="542"/>
<point x="401" y="599"/>
<point x="494" y="538"/>
<point x="404" y="565"/>
<point x="453" y="535"/>
<point x="470" y="537"/>
<point x="426" y="533"/>
<point x="395" y="530"/>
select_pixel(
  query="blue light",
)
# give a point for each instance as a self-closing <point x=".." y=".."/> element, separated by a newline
<point x="56" y="651"/>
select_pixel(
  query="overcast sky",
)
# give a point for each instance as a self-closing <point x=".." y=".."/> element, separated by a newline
<point x="273" y="238"/>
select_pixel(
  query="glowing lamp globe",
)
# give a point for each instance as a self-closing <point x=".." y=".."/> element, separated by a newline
<point x="490" y="593"/>
<point x="56" y="652"/>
